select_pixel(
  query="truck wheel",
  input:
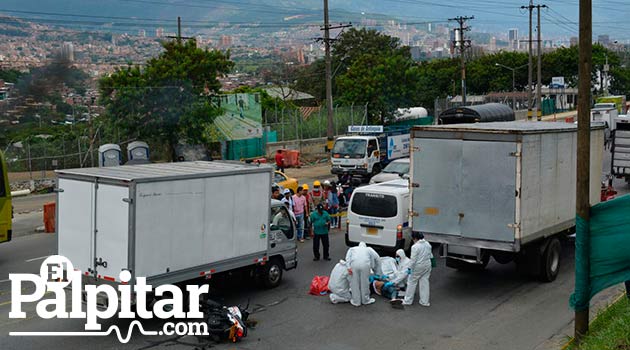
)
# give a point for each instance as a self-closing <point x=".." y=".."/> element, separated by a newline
<point x="550" y="261"/>
<point x="272" y="273"/>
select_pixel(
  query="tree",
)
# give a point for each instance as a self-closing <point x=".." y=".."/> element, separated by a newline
<point x="384" y="82"/>
<point x="168" y="100"/>
<point x="374" y="68"/>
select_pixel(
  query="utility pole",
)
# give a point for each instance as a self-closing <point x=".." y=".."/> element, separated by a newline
<point x="328" y="59"/>
<point x="539" y="68"/>
<point x="179" y="36"/>
<point x="582" y="264"/>
<point x="530" y="7"/>
<point x="530" y="71"/>
<point x="329" y="102"/>
<point x="462" y="44"/>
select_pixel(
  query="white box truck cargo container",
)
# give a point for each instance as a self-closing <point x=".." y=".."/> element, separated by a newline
<point x="503" y="189"/>
<point x="173" y="222"/>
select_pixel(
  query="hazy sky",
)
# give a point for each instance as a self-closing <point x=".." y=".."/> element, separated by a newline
<point x="558" y="20"/>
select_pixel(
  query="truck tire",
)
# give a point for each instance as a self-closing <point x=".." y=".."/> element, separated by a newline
<point x="550" y="261"/>
<point x="272" y="273"/>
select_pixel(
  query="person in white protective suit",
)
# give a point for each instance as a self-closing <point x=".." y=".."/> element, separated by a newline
<point x="339" y="283"/>
<point x="403" y="269"/>
<point x="420" y="265"/>
<point x="361" y="260"/>
<point x="389" y="266"/>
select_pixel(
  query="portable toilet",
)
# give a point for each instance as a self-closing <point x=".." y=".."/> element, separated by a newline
<point x="138" y="150"/>
<point x="109" y="155"/>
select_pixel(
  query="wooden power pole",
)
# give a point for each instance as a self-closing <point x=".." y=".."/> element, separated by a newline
<point x="582" y="265"/>
<point x="179" y="36"/>
<point x="462" y="44"/>
<point x="539" y="68"/>
<point x="330" y="133"/>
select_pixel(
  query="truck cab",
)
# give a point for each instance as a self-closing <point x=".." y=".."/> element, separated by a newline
<point x="282" y="238"/>
<point x="5" y="203"/>
<point x="356" y="155"/>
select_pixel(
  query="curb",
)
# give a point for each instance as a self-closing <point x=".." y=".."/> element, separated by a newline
<point x="600" y="309"/>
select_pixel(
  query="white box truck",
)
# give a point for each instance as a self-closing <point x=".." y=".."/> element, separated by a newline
<point x="504" y="190"/>
<point x="173" y="222"/>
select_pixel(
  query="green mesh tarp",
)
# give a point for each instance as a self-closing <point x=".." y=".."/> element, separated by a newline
<point x="605" y="241"/>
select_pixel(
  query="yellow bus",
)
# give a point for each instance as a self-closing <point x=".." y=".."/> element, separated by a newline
<point x="6" y="210"/>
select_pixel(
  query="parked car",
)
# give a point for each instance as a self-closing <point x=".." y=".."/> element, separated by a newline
<point x="379" y="216"/>
<point x="394" y="170"/>
<point x="282" y="180"/>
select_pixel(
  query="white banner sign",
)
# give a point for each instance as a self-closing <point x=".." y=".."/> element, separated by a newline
<point x="365" y="128"/>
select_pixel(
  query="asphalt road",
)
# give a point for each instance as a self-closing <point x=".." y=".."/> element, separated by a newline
<point x="493" y="309"/>
<point x="32" y="202"/>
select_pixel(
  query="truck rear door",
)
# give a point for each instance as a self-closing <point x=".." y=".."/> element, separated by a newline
<point x="621" y="150"/>
<point x="75" y="222"/>
<point x="112" y="231"/>
<point x="488" y="201"/>
<point x="466" y="188"/>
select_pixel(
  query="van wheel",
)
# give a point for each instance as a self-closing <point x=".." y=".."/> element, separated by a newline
<point x="272" y="273"/>
<point x="550" y="261"/>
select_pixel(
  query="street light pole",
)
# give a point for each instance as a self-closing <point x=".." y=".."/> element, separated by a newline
<point x="513" y="81"/>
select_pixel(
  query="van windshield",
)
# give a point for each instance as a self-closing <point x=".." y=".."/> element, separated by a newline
<point x="374" y="204"/>
<point x="400" y="168"/>
<point x="353" y="148"/>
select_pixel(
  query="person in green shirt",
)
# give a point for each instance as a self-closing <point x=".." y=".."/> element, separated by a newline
<point x="321" y="224"/>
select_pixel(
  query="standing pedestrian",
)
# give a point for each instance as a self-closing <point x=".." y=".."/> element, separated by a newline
<point x="310" y="207"/>
<point x="317" y="194"/>
<point x="275" y="193"/>
<point x="321" y="225"/>
<point x="279" y="161"/>
<point x="627" y="283"/>
<point x="288" y="200"/>
<point x="420" y="264"/>
<point x="332" y="203"/>
<point x="299" y="209"/>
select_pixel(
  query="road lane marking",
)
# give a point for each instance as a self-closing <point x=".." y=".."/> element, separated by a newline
<point x="35" y="259"/>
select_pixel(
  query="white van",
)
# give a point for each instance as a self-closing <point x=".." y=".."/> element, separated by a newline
<point x="379" y="216"/>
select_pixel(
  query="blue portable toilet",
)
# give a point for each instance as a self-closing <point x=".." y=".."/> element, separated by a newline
<point x="138" y="151"/>
<point x="109" y="155"/>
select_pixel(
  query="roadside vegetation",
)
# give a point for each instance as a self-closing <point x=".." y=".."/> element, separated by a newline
<point x="610" y="330"/>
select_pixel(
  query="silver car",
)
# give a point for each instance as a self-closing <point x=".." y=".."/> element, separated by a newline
<point x="394" y="170"/>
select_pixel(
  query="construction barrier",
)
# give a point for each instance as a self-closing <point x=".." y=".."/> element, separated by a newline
<point x="291" y="158"/>
<point x="49" y="217"/>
